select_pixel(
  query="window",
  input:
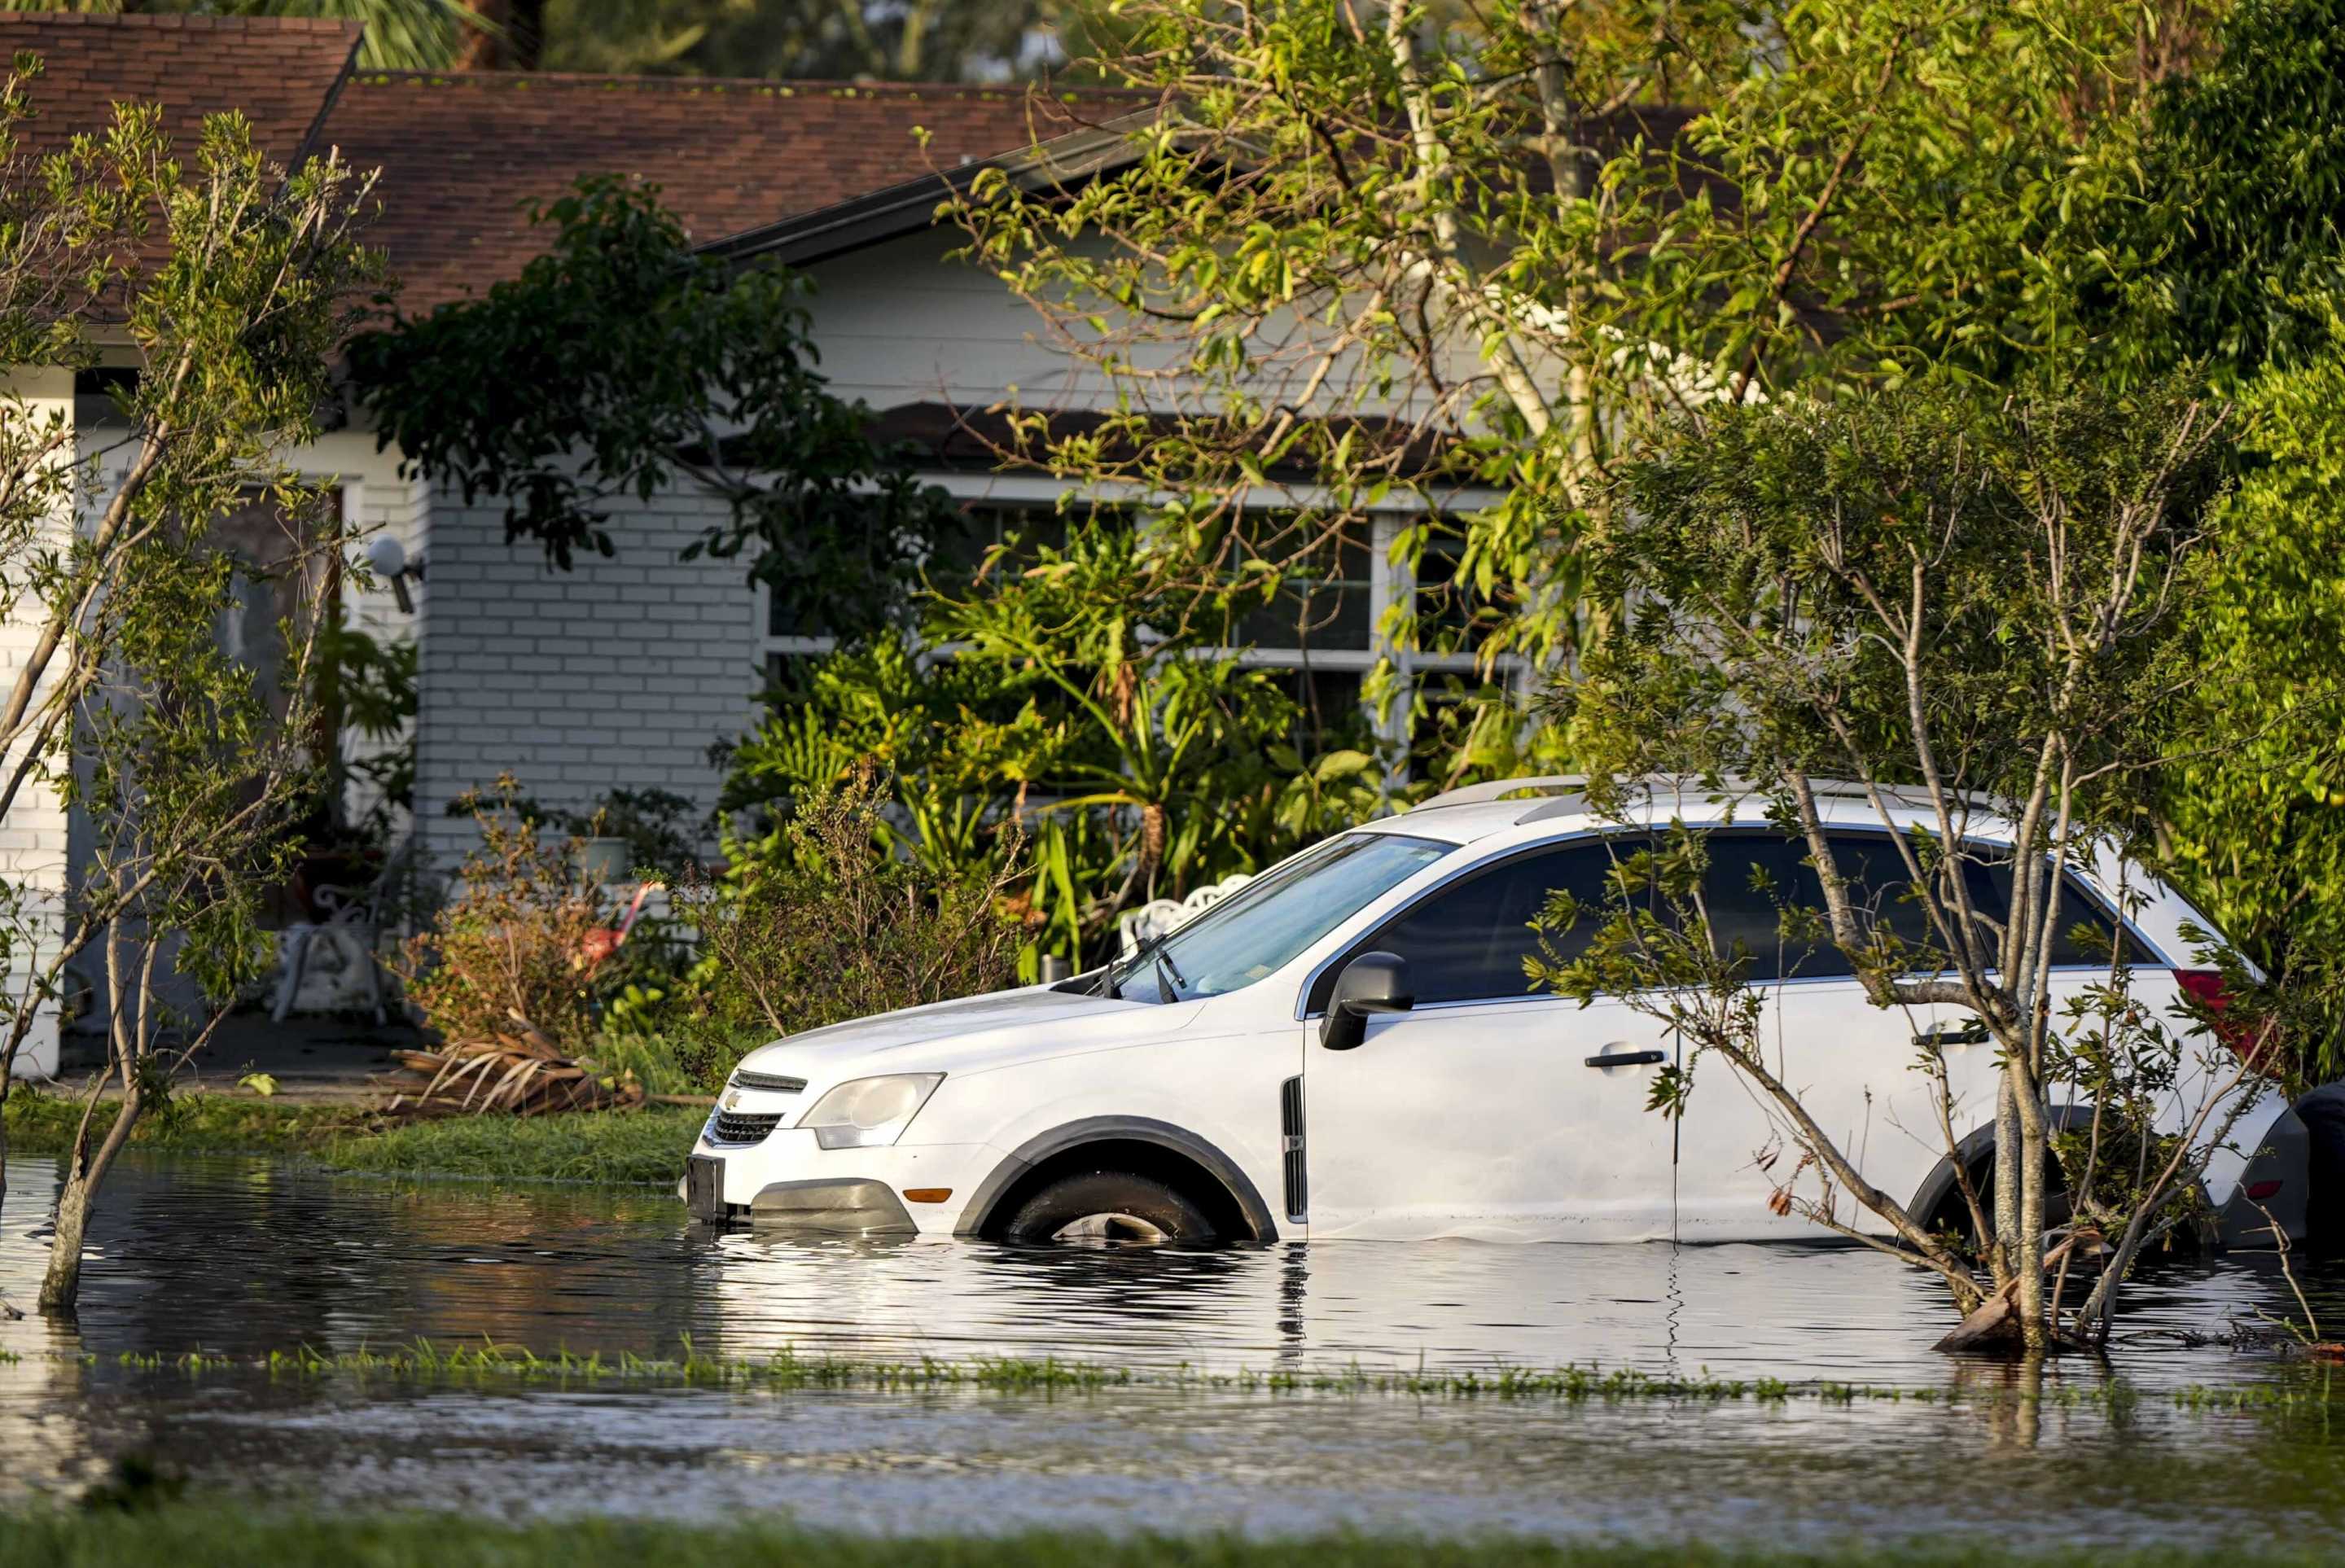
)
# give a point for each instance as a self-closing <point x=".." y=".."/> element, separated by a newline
<point x="1468" y="942"/>
<point x="1320" y="636"/>
<point x="1260" y="929"/>
<point x="1025" y="531"/>
<point x="1755" y="878"/>
<point x="1328" y="708"/>
<point x="1325" y="601"/>
<point x="2079" y="915"/>
<point x="1452" y="617"/>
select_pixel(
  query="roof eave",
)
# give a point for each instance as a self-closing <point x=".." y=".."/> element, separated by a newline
<point x="1062" y="163"/>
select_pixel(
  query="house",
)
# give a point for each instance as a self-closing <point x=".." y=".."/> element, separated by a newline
<point x="621" y="671"/>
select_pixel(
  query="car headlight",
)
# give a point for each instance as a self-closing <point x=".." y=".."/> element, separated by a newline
<point x="871" y="1113"/>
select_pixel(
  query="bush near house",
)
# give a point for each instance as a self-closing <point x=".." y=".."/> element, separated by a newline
<point x="812" y="926"/>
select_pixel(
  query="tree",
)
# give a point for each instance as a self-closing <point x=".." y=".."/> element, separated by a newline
<point x="232" y="282"/>
<point x="2254" y="821"/>
<point x="400" y="35"/>
<point x="1985" y="612"/>
<point x="620" y="363"/>
<point x="918" y="40"/>
<point x="2248" y="168"/>
<point x="1408" y="247"/>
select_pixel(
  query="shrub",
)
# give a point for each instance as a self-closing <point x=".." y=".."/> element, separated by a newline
<point x="816" y="923"/>
<point x="514" y="938"/>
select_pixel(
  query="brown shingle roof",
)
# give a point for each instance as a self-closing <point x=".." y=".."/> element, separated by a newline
<point x="460" y="152"/>
<point x="281" y="71"/>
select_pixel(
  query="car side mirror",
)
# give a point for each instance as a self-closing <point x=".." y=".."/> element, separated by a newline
<point x="1371" y="983"/>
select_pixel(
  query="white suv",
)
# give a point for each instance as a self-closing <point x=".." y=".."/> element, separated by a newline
<point x="1267" y="1071"/>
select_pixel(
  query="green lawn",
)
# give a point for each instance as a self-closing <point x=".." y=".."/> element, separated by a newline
<point x="195" y="1124"/>
<point x="645" y="1146"/>
<point x="612" y="1147"/>
<point x="200" y="1538"/>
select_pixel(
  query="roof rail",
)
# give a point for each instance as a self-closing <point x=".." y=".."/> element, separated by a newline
<point x="1550" y="784"/>
<point x="1505" y="789"/>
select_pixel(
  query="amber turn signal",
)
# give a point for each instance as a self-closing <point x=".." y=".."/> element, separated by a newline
<point x="927" y="1194"/>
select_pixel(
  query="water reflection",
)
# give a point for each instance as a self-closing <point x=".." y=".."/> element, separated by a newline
<point x="241" y="1257"/>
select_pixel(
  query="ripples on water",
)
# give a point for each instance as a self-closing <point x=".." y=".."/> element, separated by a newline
<point x="240" y="1257"/>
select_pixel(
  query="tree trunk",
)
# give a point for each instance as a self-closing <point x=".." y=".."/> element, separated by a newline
<point x="2035" y="1151"/>
<point x="513" y="41"/>
<point x="2005" y="1247"/>
<point x="61" y="1284"/>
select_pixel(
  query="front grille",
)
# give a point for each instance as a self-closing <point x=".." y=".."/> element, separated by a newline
<point x="1290" y="1143"/>
<point x="774" y="1083"/>
<point x="734" y="1128"/>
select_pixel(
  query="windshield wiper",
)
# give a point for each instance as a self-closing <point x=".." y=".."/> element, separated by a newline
<point x="1171" y="971"/>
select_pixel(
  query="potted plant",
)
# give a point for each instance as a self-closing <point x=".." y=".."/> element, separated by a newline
<point x="625" y="829"/>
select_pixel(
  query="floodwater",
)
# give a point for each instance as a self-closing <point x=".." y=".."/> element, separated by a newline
<point x="237" y="1259"/>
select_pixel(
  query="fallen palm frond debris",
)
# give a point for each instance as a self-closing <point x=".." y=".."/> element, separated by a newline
<point x="523" y="1072"/>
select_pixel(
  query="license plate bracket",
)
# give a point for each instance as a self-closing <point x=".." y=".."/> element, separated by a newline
<point x="704" y="1186"/>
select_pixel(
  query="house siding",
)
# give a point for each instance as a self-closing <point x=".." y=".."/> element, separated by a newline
<point x="619" y="672"/>
<point x="904" y="321"/>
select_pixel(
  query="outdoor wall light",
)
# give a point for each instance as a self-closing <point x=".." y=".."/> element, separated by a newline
<point x="388" y="557"/>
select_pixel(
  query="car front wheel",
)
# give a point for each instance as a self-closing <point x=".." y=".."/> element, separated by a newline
<point x="1102" y="1206"/>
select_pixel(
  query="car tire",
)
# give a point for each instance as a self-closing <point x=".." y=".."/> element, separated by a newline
<point x="1952" y="1215"/>
<point x="1108" y="1206"/>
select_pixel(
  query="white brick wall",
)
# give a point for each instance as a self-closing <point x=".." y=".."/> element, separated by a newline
<point x="617" y="673"/>
<point x="33" y="836"/>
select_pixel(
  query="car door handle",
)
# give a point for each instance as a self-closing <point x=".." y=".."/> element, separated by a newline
<point x="1629" y="1059"/>
<point x="1969" y="1031"/>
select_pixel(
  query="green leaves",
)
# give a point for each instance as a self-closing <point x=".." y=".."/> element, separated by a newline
<point x="603" y="373"/>
<point x="2246" y="159"/>
<point x="1832" y="590"/>
<point x="2254" y="819"/>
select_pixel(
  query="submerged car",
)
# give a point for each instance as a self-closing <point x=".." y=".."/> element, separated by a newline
<point x="1347" y="1047"/>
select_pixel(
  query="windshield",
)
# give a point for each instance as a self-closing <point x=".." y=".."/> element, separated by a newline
<point x="1257" y="929"/>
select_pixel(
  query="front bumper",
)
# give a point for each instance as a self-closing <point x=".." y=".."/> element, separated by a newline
<point x="787" y="1181"/>
<point x="841" y="1206"/>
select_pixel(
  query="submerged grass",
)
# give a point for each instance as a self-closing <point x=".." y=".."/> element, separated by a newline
<point x="615" y="1148"/>
<point x="197" y="1537"/>
<point x="787" y="1371"/>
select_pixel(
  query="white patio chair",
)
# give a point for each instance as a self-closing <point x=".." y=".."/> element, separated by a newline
<point x="1160" y="915"/>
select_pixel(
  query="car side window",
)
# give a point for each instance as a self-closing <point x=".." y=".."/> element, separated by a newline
<point x="1754" y="877"/>
<point x="2083" y="929"/>
<point x="1467" y="942"/>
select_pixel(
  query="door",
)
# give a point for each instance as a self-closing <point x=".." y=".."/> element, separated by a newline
<point x="1851" y="1065"/>
<point x="1859" y="1070"/>
<point x="1479" y="1112"/>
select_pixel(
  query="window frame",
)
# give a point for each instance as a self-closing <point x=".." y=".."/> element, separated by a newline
<point x="1415" y="671"/>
